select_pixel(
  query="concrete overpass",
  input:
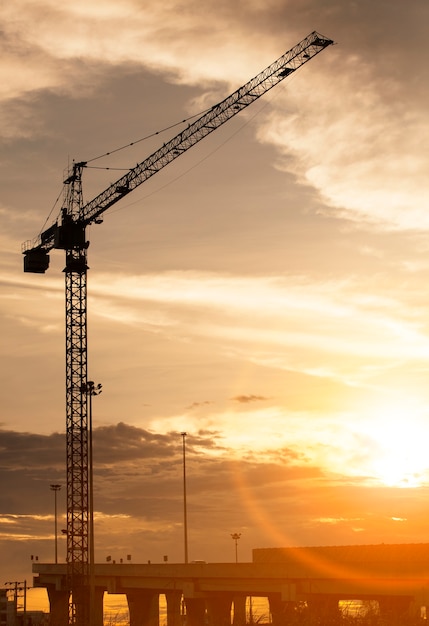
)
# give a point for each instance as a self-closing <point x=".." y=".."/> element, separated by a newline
<point x="317" y="578"/>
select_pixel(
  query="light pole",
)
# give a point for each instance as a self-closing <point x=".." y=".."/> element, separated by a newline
<point x="55" y="489"/>
<point x="91" y="389"/>
<point x="185" y="513"/>
<point x="16" y="589"/>
<point x="236" y="537"/>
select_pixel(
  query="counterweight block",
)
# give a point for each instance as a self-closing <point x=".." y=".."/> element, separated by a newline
<point x="36" y="261"/>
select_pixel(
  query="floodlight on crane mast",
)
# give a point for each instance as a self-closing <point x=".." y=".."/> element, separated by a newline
<point x="69" y="234"/>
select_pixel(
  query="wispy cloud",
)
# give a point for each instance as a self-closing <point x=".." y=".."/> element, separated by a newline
<point x="268" y="315"/>
<point x="196" y="405"/>
<point x="246" y="398"/>
<point x="354" y="138"/>
<point x="267" y="320"/>
<point x="371" y="171"/>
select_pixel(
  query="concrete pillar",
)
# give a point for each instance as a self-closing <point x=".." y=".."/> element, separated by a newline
<point x="143" y="607"/>
<point x="80" y="600"/>
<point x="239" y="618"/>
<point x="282" y="612"/>
<point x="98" y="606"/>
<point x="195" y="611"/>
<point x="323" y="606"/>
<point x="394" y="607"/>
<point x="219" y="609"/>
<point x="58" y="606"/>
<point x="173" y="600"/>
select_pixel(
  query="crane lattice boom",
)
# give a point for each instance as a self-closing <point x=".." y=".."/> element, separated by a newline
<point x="203" y="126"/>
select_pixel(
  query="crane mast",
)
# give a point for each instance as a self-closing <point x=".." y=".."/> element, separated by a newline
<point x="69" y="235"/>
<point x="77" y="434"/>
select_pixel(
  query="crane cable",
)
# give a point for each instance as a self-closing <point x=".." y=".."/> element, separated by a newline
<point x="158" y="132"/>
<point x="133" y="143"/>
<point x="258" y="111"/>
<point x="50" y="212"/>
<point x="150" y="136"/>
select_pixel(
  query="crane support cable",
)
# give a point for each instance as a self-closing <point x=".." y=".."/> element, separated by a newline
<point x="220" y="113"/>
<point x="207" y="123"/>
<point x="136" y="141"/>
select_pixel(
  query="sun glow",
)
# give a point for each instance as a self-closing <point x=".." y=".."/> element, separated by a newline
<point x="395" y="437"/>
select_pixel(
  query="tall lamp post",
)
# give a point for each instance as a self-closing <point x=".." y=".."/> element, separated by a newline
<point x="55" y="489"/>
<point x="91" y="389"/>
<point x="236" y="537"/>
<point x="185" y="512"/>
<point x="16" y="588"/>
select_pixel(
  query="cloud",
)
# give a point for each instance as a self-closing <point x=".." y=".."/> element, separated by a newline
<point x="351" y="132"/>
<point x="218" y="324"/>
<point x="265" y="315"/>
<point x="245" y="399"/>
<point x="46" y="451"/>
<point x="196" y="405"/>
<point x="304" y="282"/>
<point x="274" y="498"/>
<point x="55" y="57"/>
<point x="107" y="34"/>
<point x="138" y="478"/>
<point x="372" y="172"/>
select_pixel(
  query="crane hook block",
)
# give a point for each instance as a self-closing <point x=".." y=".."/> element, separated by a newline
<point x="36" y="261"/>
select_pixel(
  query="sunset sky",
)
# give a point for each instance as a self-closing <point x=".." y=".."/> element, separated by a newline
<point x="266" y="293"/>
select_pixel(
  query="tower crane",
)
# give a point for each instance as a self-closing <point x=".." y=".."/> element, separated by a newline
<point x="69" y="233"/>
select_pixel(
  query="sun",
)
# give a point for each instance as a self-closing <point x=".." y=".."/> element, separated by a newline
<point x="396" y="436"/>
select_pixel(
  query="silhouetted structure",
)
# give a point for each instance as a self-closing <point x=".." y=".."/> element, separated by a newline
<point x="69" y="234"/>
<point x="303" y="585"/>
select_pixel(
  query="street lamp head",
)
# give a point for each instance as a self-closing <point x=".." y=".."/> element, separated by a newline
<point x="183" y="434"/>
<point x="236" y="537"/>
<point x="55" y="487"/>
<point x="91" y="389"/>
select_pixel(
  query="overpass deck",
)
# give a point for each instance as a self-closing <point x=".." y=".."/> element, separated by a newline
<point x="384" y="573"/>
